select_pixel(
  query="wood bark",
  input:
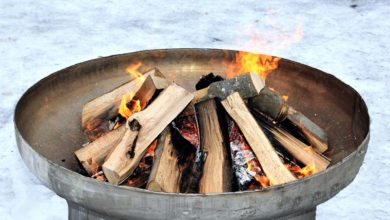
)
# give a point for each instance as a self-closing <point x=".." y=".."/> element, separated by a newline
<point x="312" y="132"/>
<point x="152" y="121"/>
<point x="217" y="174"/>
<point x="247" y="85"/>
<point x="106" y="106"/>
<point x="273" y="167"/>
<point x="272" y="105"/>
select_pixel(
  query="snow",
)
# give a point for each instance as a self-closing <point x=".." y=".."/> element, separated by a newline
<point x="40" y="37"/>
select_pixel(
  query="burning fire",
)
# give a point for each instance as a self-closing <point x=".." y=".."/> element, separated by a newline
<point x="133" y="70"/>
<point x="135" y="106"/>
<point x="302" y="172"/>
<point x="245" y="62"/>
<point x="263" y="41"/>
<point x="129" y="106"/>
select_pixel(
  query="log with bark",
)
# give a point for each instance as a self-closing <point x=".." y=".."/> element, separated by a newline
<point x="272" y="105"/>
<point x="143" y="128"/>
<point x="247" y="85"/>
<point x="276" y="172"/>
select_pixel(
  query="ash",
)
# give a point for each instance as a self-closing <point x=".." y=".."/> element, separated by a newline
<point x="348" y="38"/>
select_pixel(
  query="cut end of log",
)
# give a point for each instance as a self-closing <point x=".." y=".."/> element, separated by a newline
<point x="154" y="186"/>
<point x="111" y="175"/>
<point x="257" y="82"/>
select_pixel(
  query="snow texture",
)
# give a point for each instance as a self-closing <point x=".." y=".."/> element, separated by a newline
<point x="347" y="38"/>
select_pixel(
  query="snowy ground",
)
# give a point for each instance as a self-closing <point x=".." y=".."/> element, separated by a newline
<point x="40" y="37"/>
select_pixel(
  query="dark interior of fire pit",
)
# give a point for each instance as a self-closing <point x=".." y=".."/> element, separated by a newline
<point x="49" y="115"/>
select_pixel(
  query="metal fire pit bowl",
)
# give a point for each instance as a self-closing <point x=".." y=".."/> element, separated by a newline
<point x="48" y="131"/>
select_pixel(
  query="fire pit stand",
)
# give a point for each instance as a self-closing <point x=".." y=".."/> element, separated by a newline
<point x="48" y="131"/>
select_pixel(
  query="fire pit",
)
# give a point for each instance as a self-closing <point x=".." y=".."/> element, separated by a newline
<point x="48" y="131"/>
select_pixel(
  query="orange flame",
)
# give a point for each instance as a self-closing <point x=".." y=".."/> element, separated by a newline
<point x="245" y="62"/>
<point x="308" y="170"/>
<point x="151" y="148"/>
<point x="302" y="172"/>
<point x="124" y="110"/>
<point x="133" y="70"/>
<point x="263" y="41"/>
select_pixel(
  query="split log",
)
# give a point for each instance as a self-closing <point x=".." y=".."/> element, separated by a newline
<point x="92" y="156"/>
<point x="150" y="88"/>
<point x="217" y="174"/>
<point x="302" y="152"/>
<point x="165" y="174"/>
<point x="140" y="176"/>
<point x="174" y="157"/>
<point x="273" y="167"/>
<point x="246" y="167"/>
<point x="152" y="121"/>
<point x="106" y="106"/>
<point x="272" y="105"/>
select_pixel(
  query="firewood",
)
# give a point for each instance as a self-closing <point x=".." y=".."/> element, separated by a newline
<point x="140" y="176"/>
<point x="165" y="174"/>
<point x="92" y="156"/>
<point x="313" y="133"/>
<point x="152" y="121"/>
<point x="149" y="89"/>
<point x="106" y="106"/>
<point x="274" y="169"/>
<point x="272" y="105"/>
<point x="302" y="152"/>
<point x="217" y="174"/>
<point x="247" y="85"/>
<point x="185" y="138"/>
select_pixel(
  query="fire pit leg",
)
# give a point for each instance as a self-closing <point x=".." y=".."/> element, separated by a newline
<point x="76" y="212"/>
